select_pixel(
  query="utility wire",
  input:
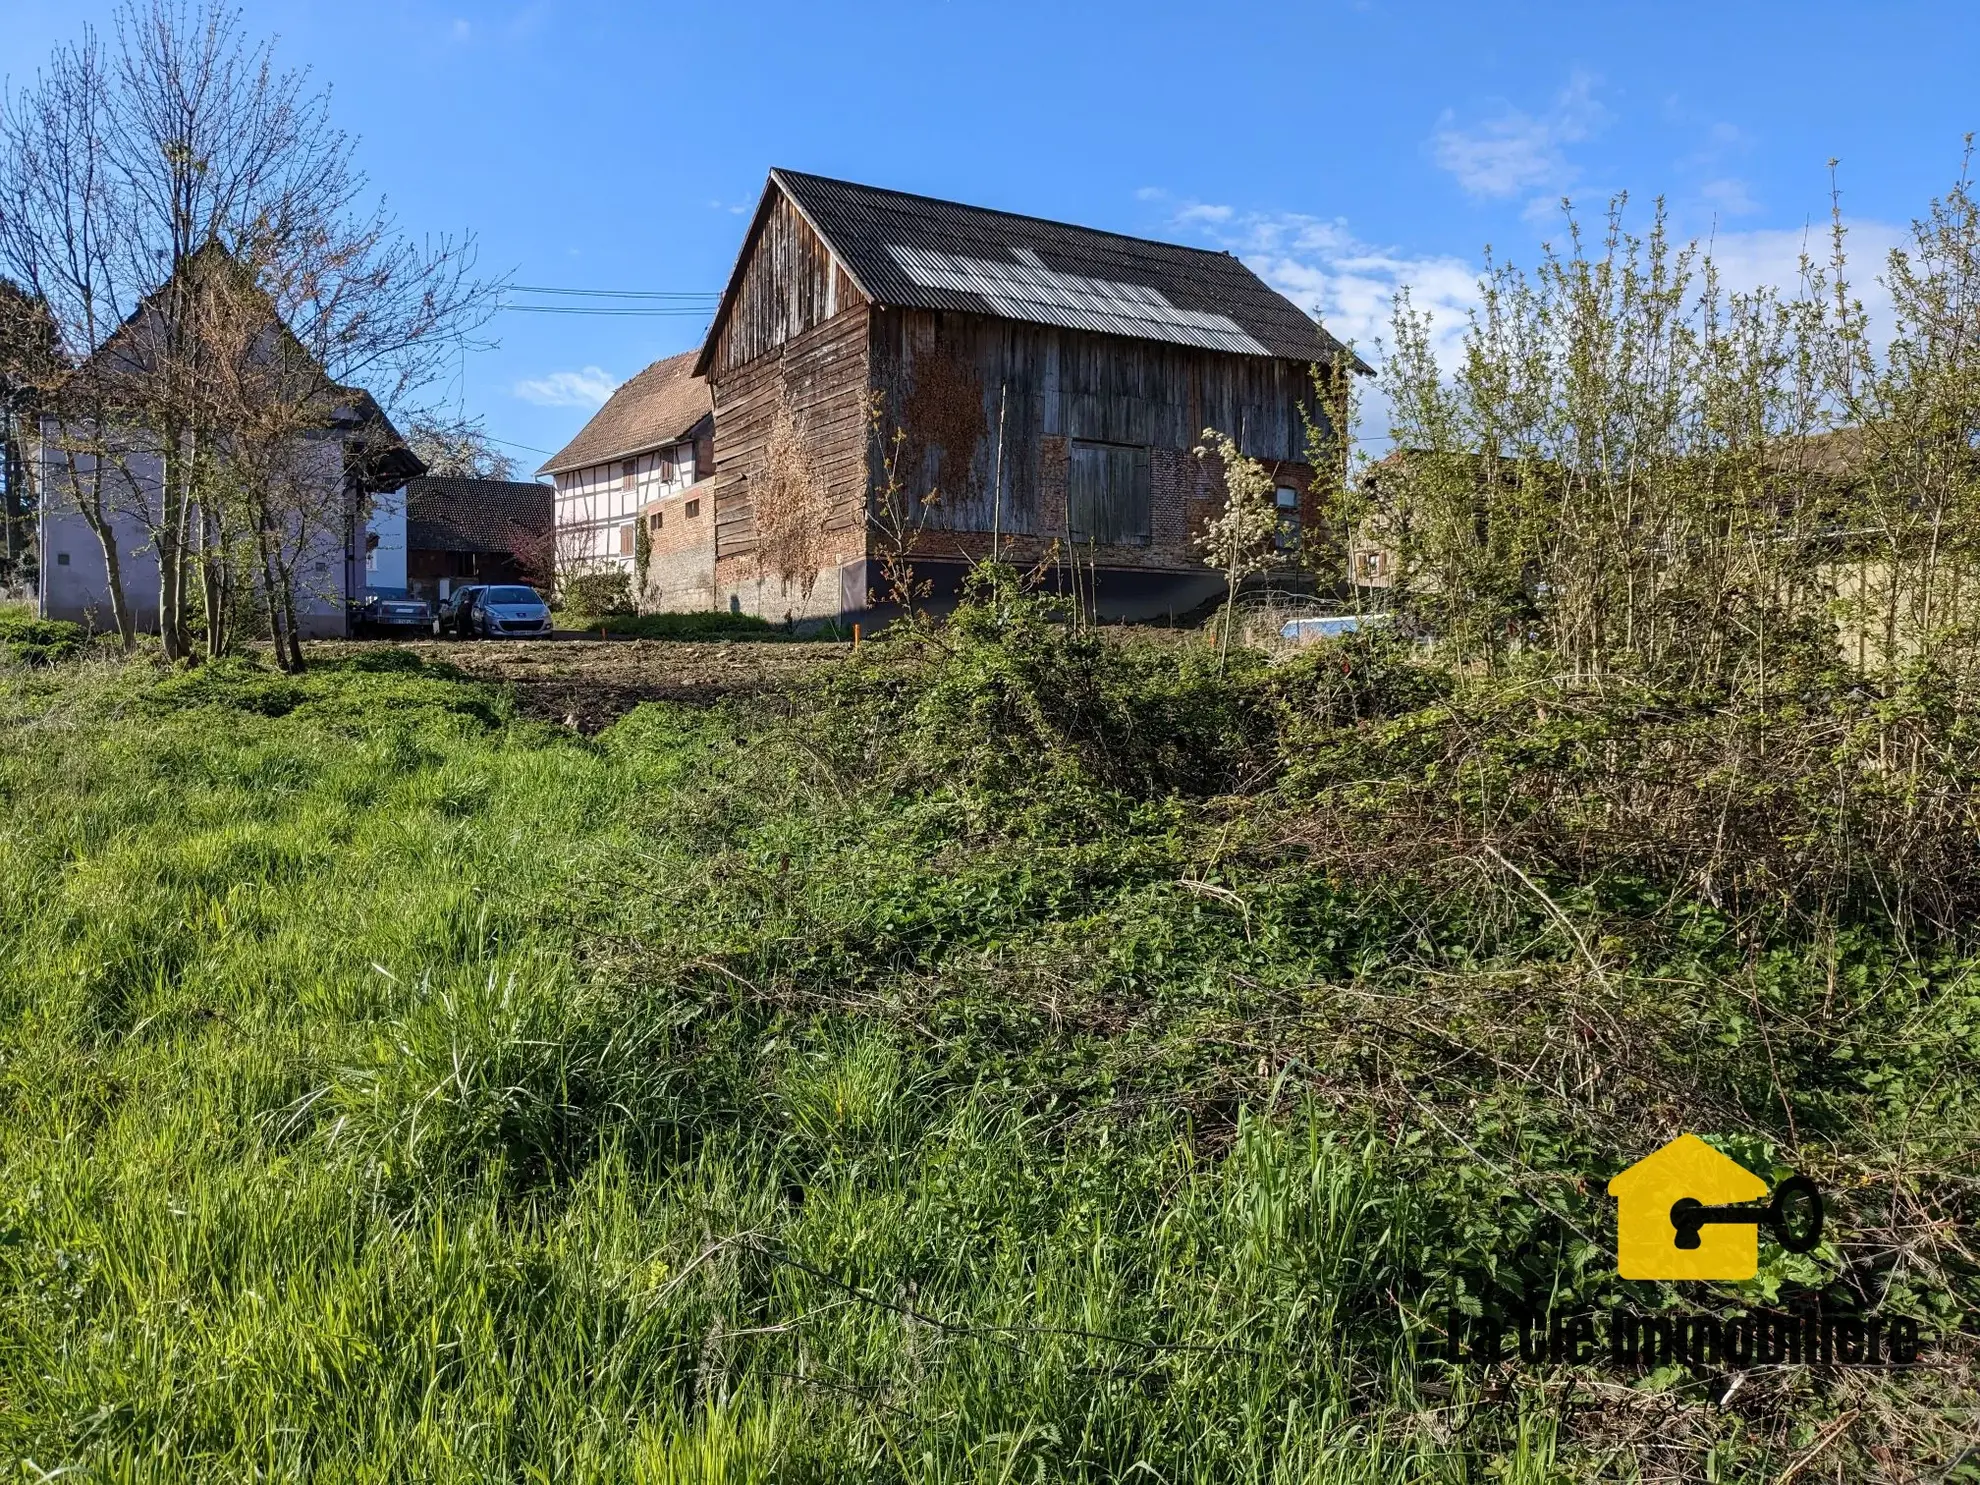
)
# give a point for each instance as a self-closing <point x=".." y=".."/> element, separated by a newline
<point x="615" y="293"/>
<point x="693" y="312"/>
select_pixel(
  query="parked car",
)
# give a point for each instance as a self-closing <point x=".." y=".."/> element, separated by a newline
<point x="381" y="614"/>
<point x="1332" y="626"/>
<point x="508" y="611"/>
<point x="454" y="609"/>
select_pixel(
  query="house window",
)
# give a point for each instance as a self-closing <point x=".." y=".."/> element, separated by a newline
<point x="1109" y="498"/>
<point x="1370" y="566"/>
<point x="626" y="474"/>
<point x="1286" y="538"/>
<point x="61" y="559"/>
<point x="693" y="509"/>
<point x="653" y="522"/>
<point x="626" y="540"/>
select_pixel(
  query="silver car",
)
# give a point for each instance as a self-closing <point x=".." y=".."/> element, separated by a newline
<point x="508" y="611"/>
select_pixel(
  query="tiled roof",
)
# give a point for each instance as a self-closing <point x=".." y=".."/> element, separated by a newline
<point x="459" y="515"/>
<point x="659" y="406"/>
<point x="915" y="252"/>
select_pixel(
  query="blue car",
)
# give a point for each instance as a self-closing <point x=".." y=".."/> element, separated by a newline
<point x="1332" y="626"/>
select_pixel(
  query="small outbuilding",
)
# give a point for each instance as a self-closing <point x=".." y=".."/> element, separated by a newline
<point x="459" y="531"/>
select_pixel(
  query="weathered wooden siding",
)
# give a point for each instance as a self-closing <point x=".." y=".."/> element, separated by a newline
<point x="790" y="284"/>
<point x="822" y="373"/>
<point x="1053" y="384"/>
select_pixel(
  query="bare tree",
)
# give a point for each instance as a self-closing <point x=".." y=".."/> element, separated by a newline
<point x="458" y="448"/>
<point x="30" y="366"/>
<point x="64" y="239"/>
<point x="122" y="185"/>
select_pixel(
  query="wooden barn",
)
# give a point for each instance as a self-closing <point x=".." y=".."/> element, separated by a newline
<point x="1048" y="382"/>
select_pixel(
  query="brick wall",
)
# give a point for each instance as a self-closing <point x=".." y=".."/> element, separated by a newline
<point x="680" y="551"/>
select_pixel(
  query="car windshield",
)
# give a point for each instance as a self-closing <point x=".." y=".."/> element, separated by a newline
<point x="512" y="595"/>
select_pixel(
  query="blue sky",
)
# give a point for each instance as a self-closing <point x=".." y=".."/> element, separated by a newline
<point x="1339" y="147"/>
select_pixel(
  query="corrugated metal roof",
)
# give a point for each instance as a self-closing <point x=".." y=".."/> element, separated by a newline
<point x="915" y="252"/>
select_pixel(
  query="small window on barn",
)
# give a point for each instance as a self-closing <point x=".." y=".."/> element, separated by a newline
<point x="704" y="456"/>
<point x="655" y="521"/>
<point x="692" y="509"/>
<point x="626" y="471"/>
<point x="1109" y="499"/>
<point x="61" y="559"/>
<point x="626" y="539"/>
<point x="1286" y="538"/>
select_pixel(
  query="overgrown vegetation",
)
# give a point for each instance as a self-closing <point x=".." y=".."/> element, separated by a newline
<point x="1024" y="1055"/>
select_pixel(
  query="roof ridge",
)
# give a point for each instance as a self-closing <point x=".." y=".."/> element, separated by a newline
<point x="1015" y="216"/>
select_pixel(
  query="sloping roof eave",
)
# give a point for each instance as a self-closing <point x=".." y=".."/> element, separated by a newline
<point x="560" y="465"/>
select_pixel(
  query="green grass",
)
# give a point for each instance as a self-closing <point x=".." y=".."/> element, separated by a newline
<point x="979" y="1069"/>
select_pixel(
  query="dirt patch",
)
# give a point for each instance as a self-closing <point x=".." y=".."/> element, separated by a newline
<point x="589" y="684"/>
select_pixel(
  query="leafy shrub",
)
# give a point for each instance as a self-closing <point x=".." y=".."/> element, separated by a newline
<point x="1010" y="698"/>
<point x="1358" y="678"/>
<point x="608" y="593"/>
<point x="26" y="640"/>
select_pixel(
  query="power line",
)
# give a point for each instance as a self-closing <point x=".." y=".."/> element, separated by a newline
<point x="694" y="312"/>
<point x="709" y="297"/>
<point x="514" y="445"/>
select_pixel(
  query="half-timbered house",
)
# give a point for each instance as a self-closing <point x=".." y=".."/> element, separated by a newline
<point x="628" y="488"/>
<point x="1047" y="384"/>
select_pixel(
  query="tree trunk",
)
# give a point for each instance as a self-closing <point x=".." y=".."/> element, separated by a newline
<point x="271" y="590"/>
<point x="168" y="538"/>
<point x="92" y="512"/>
<point x="214" y="586"/>
<point x="289" y="614"/>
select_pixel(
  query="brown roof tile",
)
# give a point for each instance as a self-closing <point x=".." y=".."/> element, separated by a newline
<point x="444" y="514"/>
<point x="659" y="406"/>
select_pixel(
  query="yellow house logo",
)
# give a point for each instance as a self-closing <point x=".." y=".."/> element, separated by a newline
<point x="1685" y="1212"/>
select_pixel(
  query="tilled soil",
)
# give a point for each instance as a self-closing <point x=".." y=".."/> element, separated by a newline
<point x="588" y="684"/>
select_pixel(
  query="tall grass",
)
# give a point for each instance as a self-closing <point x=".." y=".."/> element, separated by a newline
<point x="392" y="1088"/>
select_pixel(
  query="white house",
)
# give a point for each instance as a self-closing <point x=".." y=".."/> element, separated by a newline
<point x="638" y="462"/>
<point x="354" y="462"/>
<point x="385" y="543"/>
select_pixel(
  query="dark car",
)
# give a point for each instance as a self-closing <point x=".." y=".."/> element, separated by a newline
<point x="509" y="611"/>
<point x="386" y="614"/>
<point x="454" y="609"/>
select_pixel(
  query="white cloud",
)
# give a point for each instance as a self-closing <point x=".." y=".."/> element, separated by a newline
<point x="587" y="388"/>
<point x="1729" y="196"/>
<point x="1351" y="284"/>
<point x="1515" y="152"/>
<point x="1347" y="283"/>
<point x="461" y="30"/>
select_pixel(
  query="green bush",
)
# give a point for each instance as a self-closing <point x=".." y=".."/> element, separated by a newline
<point x="1024" y="1056"/>
<point x="1010" y="699"/>
<point x="607" y="593"/>
<point x="27" y="640"/>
